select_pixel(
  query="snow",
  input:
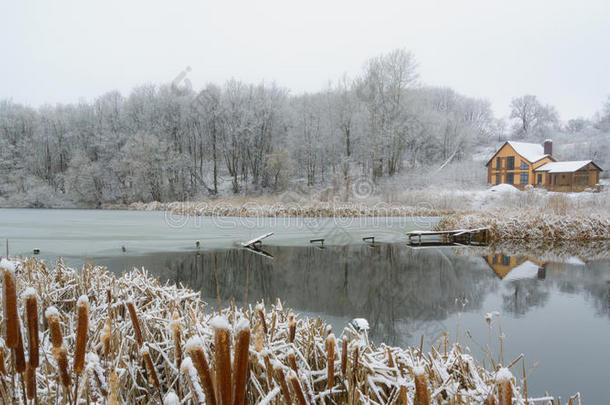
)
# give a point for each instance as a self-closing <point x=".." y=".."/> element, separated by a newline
<point x="419" y="370"/>
<point x="9" y="264"/>
<point x="82" y="301"/>
<point x="527" y="269"/>
<point x="144" y="350"/>
<point x="50" y="312"/>
<point x="575" y="261"/>
<point x="242" y="325"/>
<point x="220" y="322"/>
<point x="504" y="188"/>
<point x="360" y="324"/>
<point x="171" y="399"/>
<point x="194" y="343"/>
<point x="29" y="292"/>
<point x="530" y="151"/>
<point x="503" y="374"/>
<point x="563" y="167"/>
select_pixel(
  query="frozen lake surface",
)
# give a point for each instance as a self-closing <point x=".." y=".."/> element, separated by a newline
<point x="556" y="312"/>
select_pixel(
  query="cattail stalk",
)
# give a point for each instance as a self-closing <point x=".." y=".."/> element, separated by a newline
<point x="292" y="328"/>
<point x="30" y="381"/>
<point x="505" y="389"/>
<point x="296" y="386"/>
<point x="2" y="362"/>
<point x="191" y="379"/>
<point x="152" y="372"/>
<point x="281" y="380"/>
<point x="240" y="356"/>
<point x="81" y="334"/>
<point x="422" y="396"/>
<point x="61" y="357"/>
<point x="177" y="336"/>
<point x="114" y="388"/>
<point x="52" y="315"/>
<point x="31" y="310"/>
<point x="292" y="361"/>
<point x="105" y="338"/>
<point x="194" y="347"/>
<point x="11" y="317"/>
<point x="330" y="360"/>
<point x="222" y="346"/>
<point x="261" y="314"/>
<point x="20" y="364"/>
<point x="354" y="366"/>
<point x="135" y="322"/>
<point x="344" y="358"/>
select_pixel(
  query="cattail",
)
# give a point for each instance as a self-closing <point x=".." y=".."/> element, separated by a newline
<point x="52" y="315"/>
<point x="292" y="361"/>
<point x="11" y="317"/>
<point x="281" y="380"/>
<point x="81" y="333"/>
<point x="240" y="356"/>
<point x="422" y="396"/>
<point x="30" y="381"/>
<point x="177" y="335"/>
<point x="294" y="380"/>
<point x="268" y="369"/>
<point x="259" y="339"/>
<point x="354" y="365"/>
<point x="2" y="361"/>
<point x="330" y="360"/>
<point x="31" y="310"/>
<point x="194" y="346"/>
<point x="135" y="322"/>
<point x="61" y="357"/>
<point x="344" y="358"/>
<point x="19" y="352"/>
<point x="222" y="345"/>
<point x="292" y="328"/>
<point x="505" y="390"/>
<point x="261" y="314"/>
<point x="152" y="373"/>
<point x="191" y="378"/>
<point x="114" y="388"/>
<point x="105" y="338"/>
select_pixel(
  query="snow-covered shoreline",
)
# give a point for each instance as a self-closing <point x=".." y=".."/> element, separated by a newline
<point x="147" y="340"/>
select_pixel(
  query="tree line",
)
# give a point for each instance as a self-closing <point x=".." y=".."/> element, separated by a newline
<point x="171" y="142"/>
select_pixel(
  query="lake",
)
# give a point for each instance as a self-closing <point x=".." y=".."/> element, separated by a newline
<point x="554" y="308"/>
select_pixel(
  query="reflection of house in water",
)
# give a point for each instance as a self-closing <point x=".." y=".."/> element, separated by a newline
<point x="516" y="267"/>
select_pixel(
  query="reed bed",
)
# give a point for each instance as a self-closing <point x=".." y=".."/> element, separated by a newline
<point x="133" y="340"/>
<point x="532" y="226"/>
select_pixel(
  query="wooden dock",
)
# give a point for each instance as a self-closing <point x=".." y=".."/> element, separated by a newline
<point x="455" y="237"/>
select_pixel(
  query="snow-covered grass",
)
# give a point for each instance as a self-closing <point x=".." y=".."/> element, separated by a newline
<point x="149" y="342"/>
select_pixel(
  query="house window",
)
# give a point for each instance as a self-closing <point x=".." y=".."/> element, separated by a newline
<point x="510" y="178"/>
<point x="539" y="178"/>
<point x="494" y="259"/>
<point x="524" y="178"/>
<point x="510" y="162"/>
<point x="523" y="165"/>
<point x="498" y="162"/>
<point x="498" y="178"/>
<point x="506" y="260"/>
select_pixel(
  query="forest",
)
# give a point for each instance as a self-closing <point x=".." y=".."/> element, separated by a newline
<point x="172" y="142"/>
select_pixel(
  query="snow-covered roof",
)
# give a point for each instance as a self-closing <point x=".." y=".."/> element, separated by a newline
<point x="563" y="167"/>
<point x="527" y="269"/>
<point x="531" y="151"/>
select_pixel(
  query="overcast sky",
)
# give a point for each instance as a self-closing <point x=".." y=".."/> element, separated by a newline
<point x="63" y="51"/>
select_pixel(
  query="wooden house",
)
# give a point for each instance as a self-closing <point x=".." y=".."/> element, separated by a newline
<point x="521" y="163"/>
<point x="515" y="267"/>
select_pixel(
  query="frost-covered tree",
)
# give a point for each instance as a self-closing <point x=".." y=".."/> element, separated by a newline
<point x="531" y="118"/>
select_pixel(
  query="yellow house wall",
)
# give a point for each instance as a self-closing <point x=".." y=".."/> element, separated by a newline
<point x="507" y="151"/>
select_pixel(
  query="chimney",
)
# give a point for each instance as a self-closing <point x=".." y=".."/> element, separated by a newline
<point x="548" y="147"/>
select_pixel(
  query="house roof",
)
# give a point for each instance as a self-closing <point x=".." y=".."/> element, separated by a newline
<point x="565" y="167"/>
<point x="532" y="152"/>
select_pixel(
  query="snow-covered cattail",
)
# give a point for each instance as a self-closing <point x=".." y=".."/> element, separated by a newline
<point x="61" y="357"/>
<point x="344" y="358"/>
<point x="194" y="347"/>
<point x="191" y="379"/>
<point x="296" y="386"/>
<point x="152" y="372"/>
<point x="422" y="396"/>
<point x="503" y="383"/>
<point x="281" y="380"/>
<point x="135" y="322"/>
<point x="96" y="373"/>
<point x="354" y="365"/>
<point x="222" y="346"/>
<point x="261" y="314"/>
<point x="174" y="325"/>
<point x="240" y="356"/>
<point x="114" y="388"/>
<point x="52" y="315"/>
<point x="171" y="399"/>
<point x="11" y="317"/>
<point x="292" y="361"/>
<point x="292" y="328"/>
<point x="19" y="352"/>
<point x="30" y="381"/>
<point x="31" y="311"/>
<point x="330" y="360"/>
<point x="81" y="333"/>
<point x="105" y="338"/>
